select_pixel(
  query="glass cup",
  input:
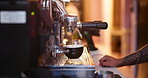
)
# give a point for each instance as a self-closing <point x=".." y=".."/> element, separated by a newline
<point x="74" y="51"/>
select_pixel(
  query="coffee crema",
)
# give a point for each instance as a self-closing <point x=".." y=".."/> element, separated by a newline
<point x="73" y="46"/>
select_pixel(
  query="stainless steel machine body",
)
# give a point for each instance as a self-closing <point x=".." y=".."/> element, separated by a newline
<point x="62" y="21"/>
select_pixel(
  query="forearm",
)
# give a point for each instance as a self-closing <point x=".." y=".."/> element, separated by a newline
<point x="144" y="54"/>
<point x="138" y="57"/>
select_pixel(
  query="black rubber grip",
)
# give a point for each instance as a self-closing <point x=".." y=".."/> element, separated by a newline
<point x="94" y="25"/>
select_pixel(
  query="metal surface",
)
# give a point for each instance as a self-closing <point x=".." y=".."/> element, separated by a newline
<point x="71" y="22"/>
<point x="105" y="74"/>
<point x="71" y="71"/>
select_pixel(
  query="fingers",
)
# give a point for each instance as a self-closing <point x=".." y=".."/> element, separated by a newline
<point x="103" y="59"/>
<point x="105" y="64"/>
<point x="106" y="61"/>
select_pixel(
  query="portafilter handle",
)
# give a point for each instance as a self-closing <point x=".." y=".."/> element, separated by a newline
<point x="95" y="25"/>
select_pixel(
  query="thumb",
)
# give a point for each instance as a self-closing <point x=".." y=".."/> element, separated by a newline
<point x="104" y="64"/>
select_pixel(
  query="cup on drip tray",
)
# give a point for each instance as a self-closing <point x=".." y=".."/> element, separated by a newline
<point x="74" y="51"/>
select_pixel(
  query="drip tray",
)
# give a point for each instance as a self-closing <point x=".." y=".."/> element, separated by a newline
<point x="67" y="71"/>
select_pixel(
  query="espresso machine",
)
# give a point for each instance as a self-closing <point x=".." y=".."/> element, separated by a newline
<point x="33" y="40"/>
<point x="58" y="22"/>
<point x="58" y="25"/>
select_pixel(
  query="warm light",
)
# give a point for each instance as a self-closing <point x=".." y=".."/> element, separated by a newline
<point x="65" y="41"/>
<point x="108" y="10"/>
<point x="66" y="0"/>
<point x="72" y="10"/>
<point x="107" y="16"/>
<point x="73" y="14"/>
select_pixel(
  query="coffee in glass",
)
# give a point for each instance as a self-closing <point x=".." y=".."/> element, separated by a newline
<point x="74" y="51"/>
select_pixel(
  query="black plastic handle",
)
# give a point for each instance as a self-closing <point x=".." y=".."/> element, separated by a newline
<point x="94" y="25"/>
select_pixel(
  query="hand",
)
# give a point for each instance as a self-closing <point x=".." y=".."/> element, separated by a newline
<point x="108" y="61"/>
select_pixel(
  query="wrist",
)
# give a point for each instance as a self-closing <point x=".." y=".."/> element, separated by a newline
<point x="120" y="62"/>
